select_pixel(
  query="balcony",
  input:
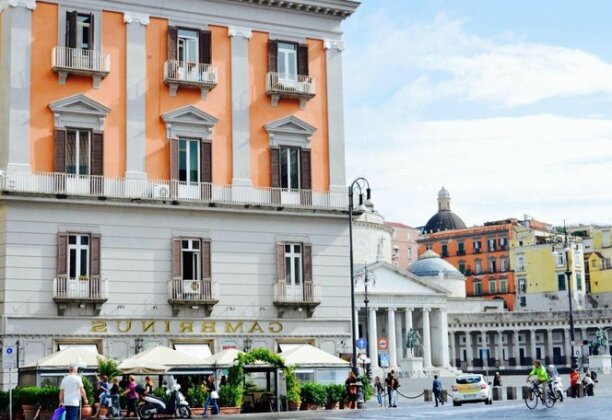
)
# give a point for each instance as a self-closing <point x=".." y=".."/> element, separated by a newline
<point x="63" y="185"/>
<point x="306" y="297"/>
<point x="193" y="294"/>
<point x="190" y="75"/>
<point x="460" y="252"/>
<point x="80" y="291"/>
<point x="92" y="63"/>
<point x="302" y="88"/>
<point x="477" y="251"/>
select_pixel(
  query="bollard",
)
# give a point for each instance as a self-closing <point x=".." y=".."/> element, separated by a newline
<point x="497" y="393"/>
<point x="444" y="395"/>
<point x="511" y="393"/>
<point x="428" y="395"/>
<point x="526" y="390"/>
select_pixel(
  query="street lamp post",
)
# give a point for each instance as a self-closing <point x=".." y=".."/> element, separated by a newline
<point x="367" y="277"/>
<point x="359" y="185"/>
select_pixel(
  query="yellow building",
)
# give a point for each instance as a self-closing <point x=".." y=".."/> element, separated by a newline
<point x="598" y="265"/>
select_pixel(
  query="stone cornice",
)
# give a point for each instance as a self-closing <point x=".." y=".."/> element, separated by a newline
<point x="129" y="17"/>
<point x="335" y="8"/>
<point x="29" y="4"/>
<point x="240" y="31"/>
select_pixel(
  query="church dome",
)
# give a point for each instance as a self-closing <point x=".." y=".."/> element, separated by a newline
<point x="444" y="219"/>
<point x="431" y="265"/>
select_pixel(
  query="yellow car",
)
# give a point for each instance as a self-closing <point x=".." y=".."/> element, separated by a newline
<point x="471" y="388"/>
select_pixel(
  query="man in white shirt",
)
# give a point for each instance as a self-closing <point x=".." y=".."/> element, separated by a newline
<point x="71" y="391"/>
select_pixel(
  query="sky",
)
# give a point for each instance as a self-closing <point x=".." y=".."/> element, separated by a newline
<point x="507" y="104"/>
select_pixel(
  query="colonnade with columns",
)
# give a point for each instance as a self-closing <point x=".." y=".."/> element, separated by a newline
<point x="394" y="323"/>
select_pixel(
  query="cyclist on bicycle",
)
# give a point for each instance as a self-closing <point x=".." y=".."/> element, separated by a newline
<point x="541" y="375"/>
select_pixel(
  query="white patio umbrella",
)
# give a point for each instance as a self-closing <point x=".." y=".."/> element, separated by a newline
<point x="224" y="358"/>
<point x="310" y="356"/>
<point x="168" y="357"/>
<point x="82" y="357"/>
<point x="141" y="367"/>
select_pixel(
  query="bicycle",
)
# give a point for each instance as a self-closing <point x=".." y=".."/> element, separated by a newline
<point x="535" y="394"/>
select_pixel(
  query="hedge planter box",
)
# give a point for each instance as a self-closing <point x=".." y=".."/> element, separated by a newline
<point x="28" y="411"/>
<point x="230" y="410"/>
<point x="293" y="405"/>
<point x="333" y="406"/>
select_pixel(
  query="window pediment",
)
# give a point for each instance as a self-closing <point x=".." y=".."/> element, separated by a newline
<point x="79" y="111"/>
<point x="290" y="131"/>
<point x="189" y="121"/>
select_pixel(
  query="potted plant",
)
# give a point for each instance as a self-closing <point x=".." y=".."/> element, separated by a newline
<point x="86" y="410"/>
<point x="313" y="396"/>
<point x="196" y="397"/>
<point x="230" y="399"/>
<point x="28" y="397"/>
<point x="335" y="394"/>
<point x="108" y="367"/>
<point x="293" y="391"/>
<point x="367" y="387"/>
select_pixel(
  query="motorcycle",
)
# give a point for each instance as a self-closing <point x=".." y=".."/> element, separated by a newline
<point x="557" y="387"/>
<point x="174" y="404"/>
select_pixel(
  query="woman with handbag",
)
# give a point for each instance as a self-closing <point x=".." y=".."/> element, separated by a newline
<point x="351" y="384"/>
<point x="213" y="396"/>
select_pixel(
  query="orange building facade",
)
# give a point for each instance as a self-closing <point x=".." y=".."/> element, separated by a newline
<point x="482" y="254"/>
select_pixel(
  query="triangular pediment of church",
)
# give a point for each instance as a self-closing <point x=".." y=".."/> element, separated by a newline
<point x="189" y="115"/>
<point x="390" y="280"/>
<point x="79" y="104"/>
<point x="290" y="124"/>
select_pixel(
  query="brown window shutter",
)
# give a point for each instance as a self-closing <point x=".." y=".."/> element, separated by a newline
<point x="71" y="29"/>
<point x="307" y="262"/>
<point x="172" y="39"/>
<point x="272" y="56"/>
<point x="205" y="161"/>
<point x="280" y="261"/>
<point x="60" y="150"/>
<point x="62" y="254"/>
<point x="305" y="170"/>
<point x="176" y="259"/>
<point x="302" y="60"/>
<point x="95" y="255"/>
<point x="174" y="169"/>
<point x="97" y="153"/>
<point x="206" y="269"/>
<point x="275" y="167"/>
<point x="205" y="41"/>
<point x="90" y="41"/>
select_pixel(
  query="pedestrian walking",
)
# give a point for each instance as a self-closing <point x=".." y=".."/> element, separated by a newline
<point x="574" y="382"/>
<point x="213" y="396"/>
<point x="380" y="390"/>
<point x="114" y="396"/>
<point x="148" y="388"/>
<point x="132" y="397"/>
<point x="71" y="392"/>
<point x="391" y="385"/>
<point x="351" y="389"/>
<point x="103" y="396"/>
<point x="497" y="380"/>
<point x="437" y="390"/>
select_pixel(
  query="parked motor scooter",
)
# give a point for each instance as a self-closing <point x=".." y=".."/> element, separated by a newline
<point x="174" y="404"/>
<point x="557" y="387"/>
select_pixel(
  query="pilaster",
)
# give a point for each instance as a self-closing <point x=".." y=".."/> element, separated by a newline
<point x="392" y="337"/>
<point x="335" y="115"/>
<point x="426" y="339"/>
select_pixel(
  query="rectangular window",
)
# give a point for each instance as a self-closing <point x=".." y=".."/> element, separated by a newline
<point x="477" y="288"/>
<point x="522" y="285"/>
<point x="520" y="263"/>
<point x="491" y="244"/>
<point x="523" y="301"/>
<point x="503" y="242"/>
<point x="191" y="258"/>
<point x="561" y="281"/>
<point x="460" y="248"/>
<point x="189" y="160"/>
<point x="503" y="287"/>
<point x="293" y="264"/>
<point x="78" y="256"/>
<point x="290" y="167"/>
<point x="445" y="250"/>
<point x="578" y="281"/>
<point x="503" y="262"/>
<point x="492" y="286"/>
<point x="476" y="246"/>
<point x="462" y="267"/>
<point x="84" y="26"/>
<point x="187" y="46"/>
<point x="478" y="266"/>
<point x="78" y="146"/>
<point x="493" y="266"/>
<point x="287" y="62"/>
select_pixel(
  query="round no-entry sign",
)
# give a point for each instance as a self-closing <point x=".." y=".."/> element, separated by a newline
<point x="383" y="343"/>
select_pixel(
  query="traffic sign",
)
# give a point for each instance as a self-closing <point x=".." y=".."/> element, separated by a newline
<point x="384" y="360"/>
<point x="577" y="352"/>
<point x="9" y="357"/>
<point x="383" y="343"/>
<point x="361" y="343"/>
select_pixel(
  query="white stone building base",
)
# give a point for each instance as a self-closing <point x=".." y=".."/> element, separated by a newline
<point x="412" y="367"/>
<point x="601" y="364"/>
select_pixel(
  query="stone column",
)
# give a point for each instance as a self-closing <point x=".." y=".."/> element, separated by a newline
<point x="136" y="86"/>
<point x="549" y="345"/>
<point x="515" y="347"/>
<point x="15" y="81"/>
<point x="392" y="337"/>
<point x="482" y="355"/>
<point x="335" y="115"/>
<point x="468" y="350"/>
<point x="444" y="337"/>
<point x="499" y="352"/>
<point x="399" y="348"/>
<point x="241" y="149"/>
<point x="532" y="345"/>
<point x="408" y="322"/>
<point x="373" y="336"/>
<point x="426" y="339"/>
<point x="453" y="352"/>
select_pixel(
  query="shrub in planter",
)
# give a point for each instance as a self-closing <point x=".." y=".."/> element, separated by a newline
<point x="230" y="396"/>
<point x="335" y="394"/>
<point x="313" y="395"/>
<point x="108" y="367"/>
<point x="367" y="387"/>
<point x="196" y="396"/>
<point x="293" y="390"/>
